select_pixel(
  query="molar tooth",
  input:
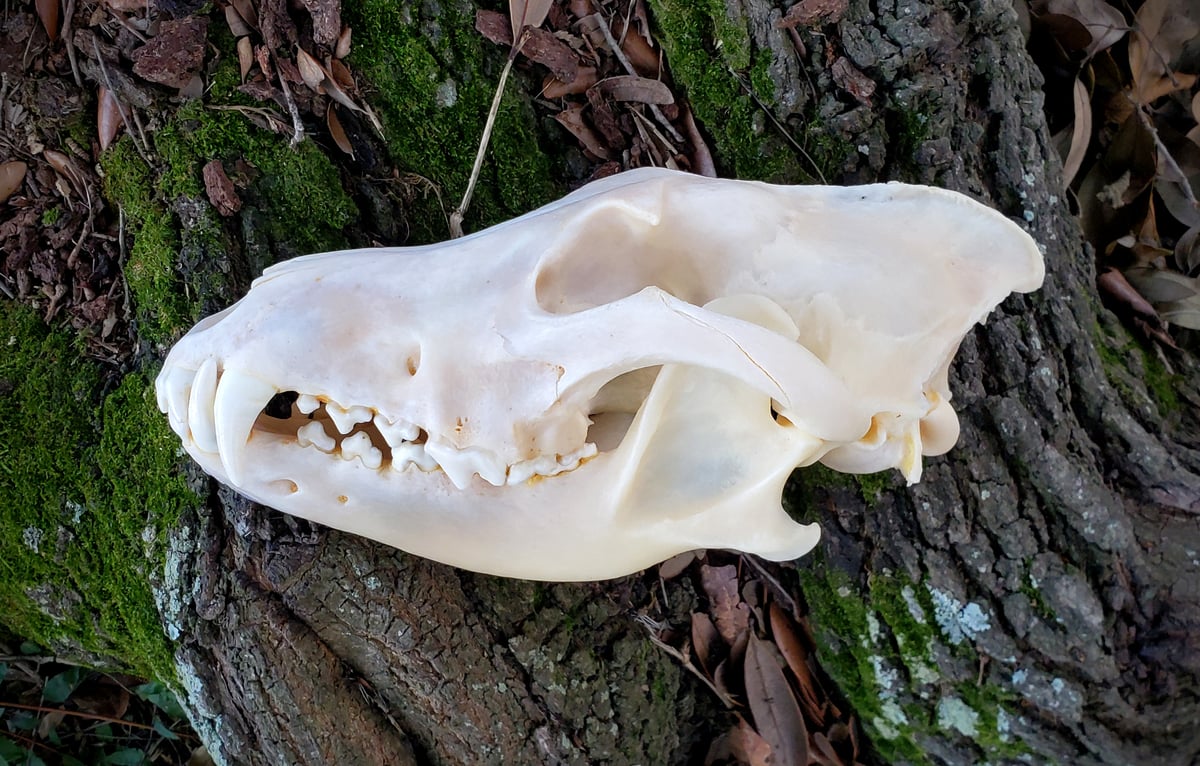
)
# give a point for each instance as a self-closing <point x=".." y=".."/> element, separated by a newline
<point x="313" y="434"/>
<point x="307" y="403"/>
<point x="200" y="407"/>
<point x="407" y="453"/>
<point x="397" y="431"/>
<point x="240" y="398"/>
<point x="359" y="446"/>
<point x="344" y="419"/>
<point x="461" y="464"/>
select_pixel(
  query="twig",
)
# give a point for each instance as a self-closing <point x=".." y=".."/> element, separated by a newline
<point x="778" y="126"/>
<point x="76" y="713"/>
<point x="142" y="148"/>
<point x="652" y="629"/>
<point x="460" y="212"/>
<point x="625" y="62"/>
<point x="297" y="123"/>
<point x="66" y="37"/>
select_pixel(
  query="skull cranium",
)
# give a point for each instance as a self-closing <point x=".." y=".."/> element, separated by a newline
<point x="625" y="374"/>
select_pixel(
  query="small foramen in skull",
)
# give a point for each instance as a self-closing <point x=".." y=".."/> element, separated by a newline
<point x="623" y="375"/>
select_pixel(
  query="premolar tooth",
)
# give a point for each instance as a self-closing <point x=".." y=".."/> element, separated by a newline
<point x="549" y="465"/>
<point x="240" y="398"/>
<point x="344" y="419"/>
<point x="313" y="434"/>
<point x="307" y="403"/>
<point x="200" y="407"/>
<point x="396" y="432"/>
<point x="407" y="453"/>
<point x="359" y="446"/>
<point x="461" y="464"/>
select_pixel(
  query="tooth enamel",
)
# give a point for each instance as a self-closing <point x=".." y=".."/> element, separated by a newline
<point x="548" y="465"/>
<point x="200" y="407"/>
<point x="359" y="446"/>
<point x="461" y="464"/>
<point x="178" y="386"/>
<point x="345" y="419"/>
<point x="240" y="398"/>
<point x="313" y="434"/>
<point x="407" y="453"/>
<point x="307" y="403"/>
<point x="396" y="432"/>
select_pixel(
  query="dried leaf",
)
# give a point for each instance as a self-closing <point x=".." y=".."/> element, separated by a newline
<point x="245" y="9"/>
<point x="823" y="753"/>
<point x="747" y="746"/>
<point x="731" y="615"/>
<point x="1114" y="284"/>
<point x="1161" y="29"/>
<point x="1104" y="23"/>
<point x="341" y="75"/>
<point x="1162" y="286"/>
<point x="311" y="70"/>
<point x="245" y="54"/>
<point x="571" y="118"/>
<point x="527" y="13"/>
<point x="1067" y="30"/>
<point x="642" y="90"/>
<point x="65" y="167"/>
<point x="342" y="49"/>
<point x="704" y="641"/>
<point x="814" y="13"/>
<point x="48" y="12"/>
<point x="12" y="175"/>
<point x="585" y="77"/>
<point x="237" y="25"/>
<point x="776" y="712"/>
<point x="108" y="117"/>
<point x="1081" y="134"/>
<point x="1182" y="313"/>
<point x="638" y="50"/>
<point x="676" y="565"/>
<point x="1187" y="251"/>
<point x="337" y="132"/>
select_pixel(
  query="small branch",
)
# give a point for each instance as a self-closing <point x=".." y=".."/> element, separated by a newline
<point x="293" y="110"/>
<point x="652" y="629"/>
<point x="75" y="713"/>
<point x="625" y="62"/>
<point x="66" y="37"/>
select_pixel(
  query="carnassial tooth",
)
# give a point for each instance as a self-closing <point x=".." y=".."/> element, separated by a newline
<point x="461" y="464"/>
<point x="344" y="419"/>
<point x="240" y="398"/>
<point x="313" y="434"/>
<point x="307" y="404"/>
<point x="200" y="407"/>
<point x="407" y="453"/>
<point x="527" y="469"/>
<point x="395" y="432"/>
<point x="359" y="446"/>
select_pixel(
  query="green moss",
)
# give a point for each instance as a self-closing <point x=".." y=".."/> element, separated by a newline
<point x="433" y="80"/>
<point x="1127" y="361"/>
<point x="711" y="56"/>
<point x="51" y="215"/>
<point x="882" y="651"/>
<point x="85" y="497"/>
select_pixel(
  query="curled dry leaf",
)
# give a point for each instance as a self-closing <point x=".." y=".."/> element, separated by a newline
<point x="1161" y="30"/>
<point x="342" y="49"/>
<point x="642" y="90"/>
<point x="65" y="167"/>
<point x="1187" y="251"/>
<point x="747" y="746"/>
<point x="12" y="175"/>
<point x="48" y="12"/>
<point x="1184" y="313"/>
<point x="1081" y="134"/>
<point x="245" y="54"/>
<point x="776" y="712"/>
<point x="1105" y="24"/>
<point x="571" y="118"/>
<point x="706" y="642"/>
<point x="108" y="117"/>
<point x="337" y="132"/>
<point x="311" y="70"/>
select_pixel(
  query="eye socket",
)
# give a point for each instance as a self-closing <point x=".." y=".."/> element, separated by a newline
<point x="280" y="406"/>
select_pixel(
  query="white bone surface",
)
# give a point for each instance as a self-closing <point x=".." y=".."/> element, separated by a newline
<point x="628" y="373"/>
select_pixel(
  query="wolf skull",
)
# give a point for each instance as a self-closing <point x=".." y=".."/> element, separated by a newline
<point x="623" y="375"/>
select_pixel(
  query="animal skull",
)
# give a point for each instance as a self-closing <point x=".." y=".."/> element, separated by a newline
<point x="623" y="375"/>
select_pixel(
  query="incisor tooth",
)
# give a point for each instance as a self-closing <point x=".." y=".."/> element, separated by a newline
<point x="240" y="398"/>
<point x="200" y="407"/>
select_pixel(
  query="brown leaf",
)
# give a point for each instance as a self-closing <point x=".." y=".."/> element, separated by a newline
<point x="48" y="12"/>
<point x="704" y="641"/>
<point x="175" y="54"/>
<point x="747" y="746"/>
<point x="1081" y="134"/>
<point x="1162" y="286"/>
<point x="220" y="190"/>
<point x="245" y="54"/>
<point x="1114" y="284"/>
<point x="237" y="25"/>
<point x="642" y="90"/>
<point x="823" y="753"/>
<point x="796" y="655"/>
<point x="571" y="118"/>
<point x="585" y="77"/>
<point x="814" y="13"/>
<point x="108" y="117"/>
<point x="847" y="77"/>
<point x="337" y="132"/>
<point x="776" y="712"/>
<point x="637" y="49"/>
<point x="311" y="70"/>
<point x="676" y="565"/>
<point x="731" y="615"/>
<point x="342" y="49"/>
<point x="527" y="13"/>
<point x="12" y="175"/>
<point x="1187" y="251"/>
<point x="1184" y="313"/>
<point x="1067" y="30"/>
<point x="65" y="167"/>
<point x="1104" y="23"/>
<point x="1161" y="29"/>
<point x="245" y="9"/>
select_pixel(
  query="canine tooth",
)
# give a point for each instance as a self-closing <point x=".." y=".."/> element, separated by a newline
<point x="344" y="418"/>
<point x="200" y="407"/>
<point x="313" y="434"/>
<point x="407" y="453"/>
<point x="395" y="432"/>
<point x="307" y="403"/>
<point x="359" y="446"/>
<point x="240" y="398"/>
<point x="461" y="464"/>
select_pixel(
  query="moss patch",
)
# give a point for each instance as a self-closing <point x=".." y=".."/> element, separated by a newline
<point x="86" y="496"/>
<point x="433" y="80"/>
<point x="883" y="651"/>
